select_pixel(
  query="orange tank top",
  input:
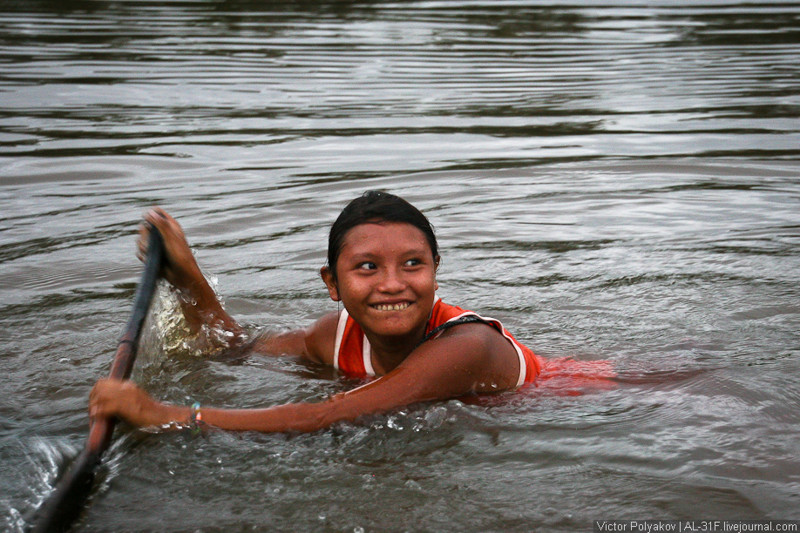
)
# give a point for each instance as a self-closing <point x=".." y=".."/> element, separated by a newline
<point x="353" y="356"/>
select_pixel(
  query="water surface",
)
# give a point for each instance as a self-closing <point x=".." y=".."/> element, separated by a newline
<point x="615" y="181"/>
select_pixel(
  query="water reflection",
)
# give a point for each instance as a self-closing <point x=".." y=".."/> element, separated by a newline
<point x="574" y="82"/>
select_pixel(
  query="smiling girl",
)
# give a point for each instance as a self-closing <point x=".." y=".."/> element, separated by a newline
<point x="382" y="262"/>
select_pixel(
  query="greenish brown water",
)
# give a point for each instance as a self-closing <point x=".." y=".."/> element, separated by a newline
<point x="615" y="181"/>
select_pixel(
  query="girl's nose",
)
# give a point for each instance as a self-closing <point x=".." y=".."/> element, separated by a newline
<point x="391" y="281"/>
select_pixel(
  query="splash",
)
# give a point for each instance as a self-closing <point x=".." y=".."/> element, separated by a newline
<point x="170" y="336"/>
<point x="45" y="458"/>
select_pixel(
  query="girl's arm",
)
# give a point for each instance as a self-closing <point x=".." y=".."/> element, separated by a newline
<point x="199" y="303"/>
<point x="472" y="358"/>
<point x="314" y="343"/>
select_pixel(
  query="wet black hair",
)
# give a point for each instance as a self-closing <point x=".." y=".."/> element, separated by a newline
<point x="376" y="206"/>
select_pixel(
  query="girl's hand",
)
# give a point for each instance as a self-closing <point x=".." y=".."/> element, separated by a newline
<point x="180" y="266"/>
<point x="123" y="399"/>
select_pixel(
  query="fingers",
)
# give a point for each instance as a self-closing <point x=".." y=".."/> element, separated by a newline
<point x="118" y="398"/>
<point x="162" y="221"/>
<point x="151" y="219"/>
<point x="180" y="267"/>
<point x="102" y="398"/>
<point x="155" y="216"/>
<point x="167" y="226"/>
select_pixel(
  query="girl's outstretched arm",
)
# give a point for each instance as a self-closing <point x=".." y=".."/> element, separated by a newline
<point x="314" y="342"/>
<point x="472" y="358"/>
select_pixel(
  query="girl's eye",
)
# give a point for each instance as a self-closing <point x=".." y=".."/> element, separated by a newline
<point x="367" y="265"/>
<point x="413" y="262"/>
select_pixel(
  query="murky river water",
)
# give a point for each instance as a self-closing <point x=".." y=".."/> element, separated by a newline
<point x="616" y="181"/>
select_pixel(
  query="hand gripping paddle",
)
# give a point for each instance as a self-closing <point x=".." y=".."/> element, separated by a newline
<point x="65" y="503"/>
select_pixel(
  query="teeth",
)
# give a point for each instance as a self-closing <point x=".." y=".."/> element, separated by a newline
<point x="391" y="307"/>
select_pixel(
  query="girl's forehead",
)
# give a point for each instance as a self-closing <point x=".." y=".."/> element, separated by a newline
<point x="384" y="234"/>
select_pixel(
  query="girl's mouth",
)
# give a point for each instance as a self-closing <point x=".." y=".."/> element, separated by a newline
<point x="391" y="307"/>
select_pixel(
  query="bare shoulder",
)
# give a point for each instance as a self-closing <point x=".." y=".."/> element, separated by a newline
<point x="478" y="350"/>
<point x="481" y="335"/>
<point x="320" y="338"/>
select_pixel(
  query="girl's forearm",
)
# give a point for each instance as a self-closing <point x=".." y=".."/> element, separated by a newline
<point x="300" y="417"/>
<point x="152" y="414"/>
<point x="203" y="311"/>
<point x="201" y="307"/>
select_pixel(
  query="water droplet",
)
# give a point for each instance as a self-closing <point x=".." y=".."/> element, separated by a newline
<point x="413" y="485"/>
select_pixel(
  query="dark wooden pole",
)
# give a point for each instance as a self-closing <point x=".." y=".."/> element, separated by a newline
<point x="66" y="502"/>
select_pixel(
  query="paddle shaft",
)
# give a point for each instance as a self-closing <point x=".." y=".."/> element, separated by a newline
<point x="65" y="503"/>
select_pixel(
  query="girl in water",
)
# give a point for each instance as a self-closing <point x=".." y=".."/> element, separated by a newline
<point x="382" y="262"/>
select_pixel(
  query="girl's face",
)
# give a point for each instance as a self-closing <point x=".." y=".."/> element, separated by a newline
<point x="386" y="278"/>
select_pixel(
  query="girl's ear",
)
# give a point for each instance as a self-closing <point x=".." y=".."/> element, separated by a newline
<point x="330" y="282"/>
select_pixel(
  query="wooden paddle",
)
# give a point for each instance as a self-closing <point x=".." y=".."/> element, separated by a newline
<point x="65" y="503"/>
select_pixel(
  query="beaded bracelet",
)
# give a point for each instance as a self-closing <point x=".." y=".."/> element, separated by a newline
<point x="196" y="417"/>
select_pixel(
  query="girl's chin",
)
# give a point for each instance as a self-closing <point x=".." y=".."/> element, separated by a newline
<point x="398" y="332"/>
<point x="395" y="328"/>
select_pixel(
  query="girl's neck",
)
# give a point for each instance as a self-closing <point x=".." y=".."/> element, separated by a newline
<point x="387" y="354"/>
